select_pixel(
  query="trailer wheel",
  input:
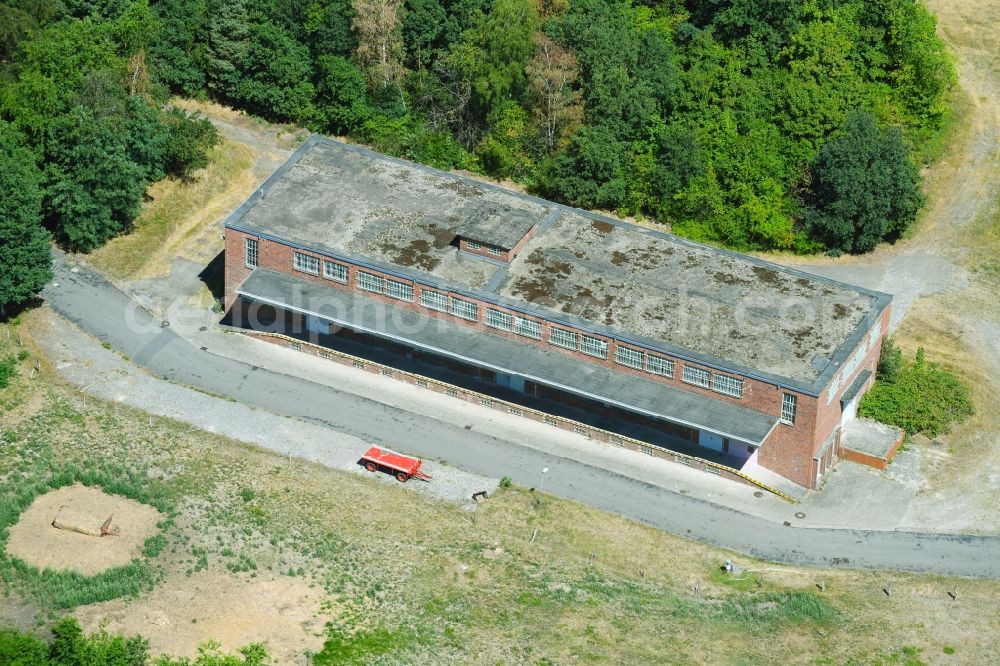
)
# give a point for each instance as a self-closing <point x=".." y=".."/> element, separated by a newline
<point x="371" y="467"/>
<point x="402" y="476"/>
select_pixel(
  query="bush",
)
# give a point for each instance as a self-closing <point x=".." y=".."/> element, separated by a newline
<point x="22" y="650"/>
<point x="8" y="368"/>
<point x="919" y="397"/>
<point x="189" y="139"/>
<point x="70" y="647"/>
<point x="890" y="362"/>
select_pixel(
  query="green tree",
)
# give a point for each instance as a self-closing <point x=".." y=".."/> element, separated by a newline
<point x="52" y="67"/>
<point x="911" y="59"/>
<point x="93" y="189"/>
<point x="176" y="57"/>
<point x="146" y="137"/>
<point x="423" y="30"/>
<point x="591" y="172"/>
<point x="274" y="74"/>
<point x="341" y="95"/>
<point x="504" y="38"/>
<point x="759" y="27"/>
<point x="226" y="46"/>
<point x="507" y="149"/>
<point x="865" y="187"/>
<point x="328" y="28"/>
<point x="679" y="159"/>
<point x="890" y="363"/>
<point x="16" y="25"/>
<point x="25" y="259"/>
<point x="189" y="138"/>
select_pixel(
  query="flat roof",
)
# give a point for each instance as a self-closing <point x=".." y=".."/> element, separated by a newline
<point x="446" y="338"/>
<point x="871" y="437"/>
<point x="498" y="224"/>
<point x="726" y="310"/>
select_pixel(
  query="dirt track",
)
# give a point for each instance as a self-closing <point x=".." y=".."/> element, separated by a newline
<point x="944" y="301"/>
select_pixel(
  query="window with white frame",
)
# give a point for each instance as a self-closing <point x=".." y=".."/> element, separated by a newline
<point x="495" y="251"/>
<point x="697" y="376"/>
<point x="370" y="282"/>
<point x="464" y="309"/>
<point x="473" y="245"/>
<point x="528" y="328"/>
<point x="400" y="290"/>
<point x="562" y="338"/>
<point x="305" y="263"/>
<point x="498" y="319"/>
<point x="633" y="358"/>
<point x="251" y="252"/>
<point x="594" y="346"/>
<point x="660" y="366"/>
<point x="728" y="385"/>
<point x="334" y="271"/>
<point x="434" y="300"/>
<point x="788" y="405"/>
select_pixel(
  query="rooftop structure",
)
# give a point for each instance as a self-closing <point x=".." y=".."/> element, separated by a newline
<point x="501" y="225"/>
<point x="718" y="308"/>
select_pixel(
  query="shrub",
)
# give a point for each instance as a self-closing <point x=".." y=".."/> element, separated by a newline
<point x="919" y="397"/>
<point x="890" y="362"/>
<point x="189" y="139"/>
<point x="8" y="368"/>
<point x="70" y="647"/>
<point x="22" y="650"/>
<point x="154" y="545"/>
<point x="506" y="482"/>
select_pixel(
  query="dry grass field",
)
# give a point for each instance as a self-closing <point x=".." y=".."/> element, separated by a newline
<point x="363" y="572"/>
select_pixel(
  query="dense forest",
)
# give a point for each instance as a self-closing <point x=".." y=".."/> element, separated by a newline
<point x="794" y="125"/>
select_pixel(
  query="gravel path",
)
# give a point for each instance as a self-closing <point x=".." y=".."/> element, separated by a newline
<point x="103" y="373"/>
<point x="91" y="302"/>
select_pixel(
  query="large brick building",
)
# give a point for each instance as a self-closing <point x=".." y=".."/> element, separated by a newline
<point x="725" y="351"/>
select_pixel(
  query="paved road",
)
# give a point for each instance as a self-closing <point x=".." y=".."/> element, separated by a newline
<point x="98" y="307"/>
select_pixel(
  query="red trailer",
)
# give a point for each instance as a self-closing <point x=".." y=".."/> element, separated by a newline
<point x="400" y="466"/>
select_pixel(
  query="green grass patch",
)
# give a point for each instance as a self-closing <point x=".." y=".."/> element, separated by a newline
<point x="918" y="396"/>
<point x="362" y="647"/>
<point x="770" y="609"/>
<point x="8" y="368"/>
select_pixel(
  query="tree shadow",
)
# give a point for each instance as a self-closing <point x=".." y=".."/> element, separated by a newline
<point x="11" y="311"/>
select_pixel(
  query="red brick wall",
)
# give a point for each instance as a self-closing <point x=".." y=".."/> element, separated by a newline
<point x="505" y="255"/>
<point x="235" y="269"/>
<point x="483" y="251"/>
<point x="871" y="460"/>
<point x="524" y="241"/>
<point x="792" y="457"/>
<point x="789" y="450"/>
